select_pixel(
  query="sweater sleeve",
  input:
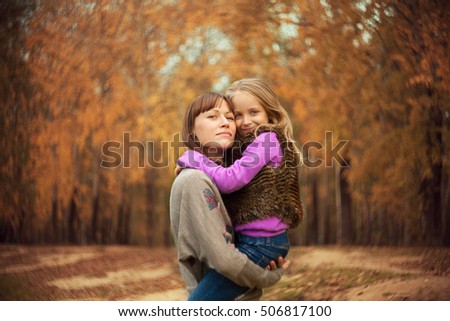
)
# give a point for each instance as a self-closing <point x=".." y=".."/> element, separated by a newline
<point x="262" y="151"/>
<point x="201" y="231"/>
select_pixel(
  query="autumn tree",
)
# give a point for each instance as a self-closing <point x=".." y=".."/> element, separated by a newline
<point x="94" y="94"/>
<point x="16" y="124"/>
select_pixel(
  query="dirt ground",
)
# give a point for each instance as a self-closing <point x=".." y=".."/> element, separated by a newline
<point x="142" y="273"/>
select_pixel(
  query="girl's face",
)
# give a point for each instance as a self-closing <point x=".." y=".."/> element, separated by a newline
<point x="215" y="129"/>
<point x="248" y="112"/>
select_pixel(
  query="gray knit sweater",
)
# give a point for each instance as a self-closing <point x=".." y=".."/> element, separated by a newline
<point x="202" y="230"/>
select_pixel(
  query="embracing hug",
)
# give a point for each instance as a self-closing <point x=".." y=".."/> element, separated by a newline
<point x="236" y="193"/>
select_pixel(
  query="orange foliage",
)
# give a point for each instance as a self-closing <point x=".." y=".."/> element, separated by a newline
<point x="375" y="74"/>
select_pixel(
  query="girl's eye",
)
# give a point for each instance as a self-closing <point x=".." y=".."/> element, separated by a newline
<point x="254" y="112"/>
<point x="237" y="116"/>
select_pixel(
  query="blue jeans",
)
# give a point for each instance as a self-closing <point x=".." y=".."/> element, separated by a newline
<point x="260" y="250"/>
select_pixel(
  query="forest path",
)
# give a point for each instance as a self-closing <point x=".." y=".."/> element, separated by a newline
<point x="151" y="274"/>
<point x="365" y="273"/>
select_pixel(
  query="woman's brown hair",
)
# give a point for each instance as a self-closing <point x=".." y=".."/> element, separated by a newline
<point x="200" y="104"/>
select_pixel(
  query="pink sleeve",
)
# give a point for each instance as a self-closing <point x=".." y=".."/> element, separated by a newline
<point x="264" y="150"/>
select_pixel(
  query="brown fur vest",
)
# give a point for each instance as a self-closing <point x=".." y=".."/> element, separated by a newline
<point x="273" y="191"/>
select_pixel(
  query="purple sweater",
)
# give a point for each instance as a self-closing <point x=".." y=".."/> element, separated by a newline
<point x="264" y="150"/>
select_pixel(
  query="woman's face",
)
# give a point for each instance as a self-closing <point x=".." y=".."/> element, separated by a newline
<point x="248" y="112"/>
<point x="215" y="129"/>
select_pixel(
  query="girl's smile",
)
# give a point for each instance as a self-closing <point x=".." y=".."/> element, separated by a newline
<point x="249" y="113"/>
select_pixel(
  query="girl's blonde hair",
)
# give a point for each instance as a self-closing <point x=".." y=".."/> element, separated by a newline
<point x="276" y="113"/>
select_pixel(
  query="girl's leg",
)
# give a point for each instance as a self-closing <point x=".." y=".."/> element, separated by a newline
<point x="261" y="250"/>
<point x="216" y="287"/>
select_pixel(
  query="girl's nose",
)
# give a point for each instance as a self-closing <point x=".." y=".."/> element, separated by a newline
<point x="246" y="120"/>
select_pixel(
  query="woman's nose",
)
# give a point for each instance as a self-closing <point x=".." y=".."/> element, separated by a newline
<point x="224" y="122"/>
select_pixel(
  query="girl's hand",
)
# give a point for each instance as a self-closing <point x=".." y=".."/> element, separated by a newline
<point x="282" y="263"/>
<point x="178" y="170"/>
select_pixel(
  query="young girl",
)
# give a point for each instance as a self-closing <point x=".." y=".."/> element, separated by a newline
<point x="261" y="188"/>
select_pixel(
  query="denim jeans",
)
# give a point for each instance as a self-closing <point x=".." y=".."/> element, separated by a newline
<point x="260" y="250"/>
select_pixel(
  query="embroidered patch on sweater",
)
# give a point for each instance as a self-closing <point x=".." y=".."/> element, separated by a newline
<point x="210" y="199"/>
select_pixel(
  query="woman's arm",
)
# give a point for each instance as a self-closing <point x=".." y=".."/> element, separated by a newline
<point x="262" y="151"/>
<point x="200" y="232"/>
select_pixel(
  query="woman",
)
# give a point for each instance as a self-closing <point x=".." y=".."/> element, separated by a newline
<point x="200" y="223"/>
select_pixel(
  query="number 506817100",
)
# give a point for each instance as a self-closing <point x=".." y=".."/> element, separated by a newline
<point x="296" y="311"/>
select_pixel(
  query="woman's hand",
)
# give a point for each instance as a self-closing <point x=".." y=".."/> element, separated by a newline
<point x="282" y="263"/>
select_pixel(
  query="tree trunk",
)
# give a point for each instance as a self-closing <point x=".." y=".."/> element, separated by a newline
<point x="73" y="219"/>
<point x="326" y="210"/>
<point x="93" y="235"/>
<point x="55" y="210"/>
<point x="367" y="225"/>
<point x="122" y="219"/>
<point x="446" y="231"/>
<point x="127" y="222"/>
<point x="430" y="187"/>
<point x="446" y="210"/>
<point x="313" y="223"/>
<point x="431" y="208"/>
<point x="106" y="230"/>
<point x="343" y="208"/>
<point x="95" y="218"/>
<point x="150" y="204"/>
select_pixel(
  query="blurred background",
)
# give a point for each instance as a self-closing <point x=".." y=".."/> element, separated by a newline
<point x="77" y="75"/>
